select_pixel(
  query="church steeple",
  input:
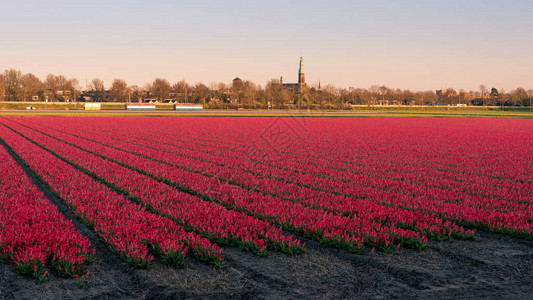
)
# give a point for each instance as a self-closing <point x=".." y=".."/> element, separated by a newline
<point x="301" y="75"/>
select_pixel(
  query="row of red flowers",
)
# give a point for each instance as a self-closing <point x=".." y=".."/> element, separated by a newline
<point x="209" y="219"/>
<point x="34" y="235"/>
<point x="425" y="223"/>
<point x="469" y="191"/>
<point x="505" y="209"/>
<point x="126" y="227"/>
<point x="510" y="171"/>
<point x="337" y="230"/>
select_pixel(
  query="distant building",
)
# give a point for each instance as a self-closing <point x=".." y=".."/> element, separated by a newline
<point x="297" y="87"/>
<point x="440" y="97"/>
<point x="94" y="96"/>
<point x="452" y="97"/>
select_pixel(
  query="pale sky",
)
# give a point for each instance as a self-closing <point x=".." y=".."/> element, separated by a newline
<point x="418" y="45"/>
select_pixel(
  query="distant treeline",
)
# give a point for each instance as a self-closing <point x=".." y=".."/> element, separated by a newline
<point x="15" y="86"/>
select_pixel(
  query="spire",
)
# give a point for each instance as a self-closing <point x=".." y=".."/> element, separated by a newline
<point x="301" y="75"/>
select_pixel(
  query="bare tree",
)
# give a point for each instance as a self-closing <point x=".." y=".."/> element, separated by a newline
<point x="383" y="90"/>
<point x="56" y="86"/>
<point x="51" y="85"/>
<point x="182" y="89"/>
<point x="249" y="91"/>
<point x="222" y="87"/>
<point x="31" y="86"/>
<point x="51" y="82"/>
<point x="13" y="84"/>
<point x="73" y="86"/>
<point x="522" y="97"/>
<point x="451" y="97"/>
<point x="397" y="94"/>
<point x="408" y="97"/>
<point x="137" y="93"/>
<point x="97" y="86"/>
<point x="118" y="90"/>
<point x="273" y="91"/>
<point x="202" y="92"/>
<point x="286" y="96"/>
<point x="331" y="93"/>
<point x="2" y="87"/>
<point x="464" y="96"/>
<point x="363" y="96"/>
<point x="426" y="98"/>
<point x="161" y="88"/>
<point x="374" y="93"/>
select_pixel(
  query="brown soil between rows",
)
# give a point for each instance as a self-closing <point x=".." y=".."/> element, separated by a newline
<point x="494" y="266"/>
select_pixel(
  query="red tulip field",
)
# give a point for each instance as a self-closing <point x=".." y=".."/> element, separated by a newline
<point x="282" y="207"/>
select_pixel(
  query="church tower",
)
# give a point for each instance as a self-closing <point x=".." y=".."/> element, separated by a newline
<point x="301" y="75"/>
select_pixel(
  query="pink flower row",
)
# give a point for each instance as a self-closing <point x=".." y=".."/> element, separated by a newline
<point x="34" y="236"/>
<point x="491" y="191"/>
<point x="390" y="216"/>
<point x="447" y="197"/>
<point x="330" y="229"/>
<point x="206" y="218"/>
<point x="126" y="227"/>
